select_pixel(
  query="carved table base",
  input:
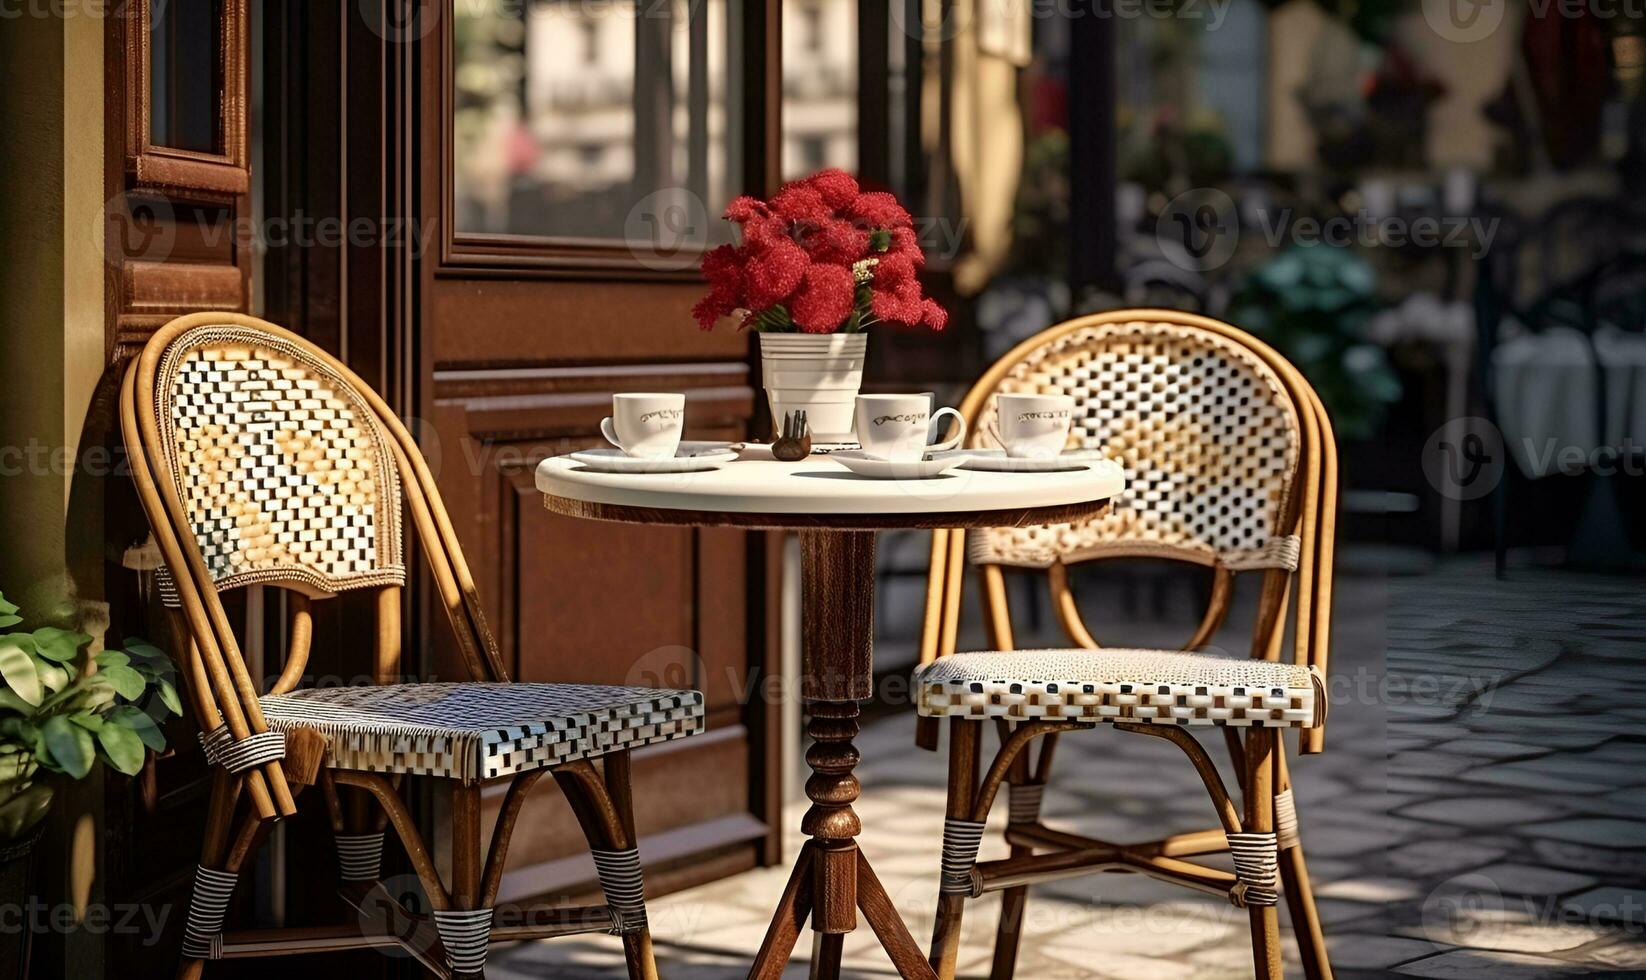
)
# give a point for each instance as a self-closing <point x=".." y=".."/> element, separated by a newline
<point x="832" y="880"/>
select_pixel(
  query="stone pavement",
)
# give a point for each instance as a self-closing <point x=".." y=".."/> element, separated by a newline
<point x="1477" y="812"/>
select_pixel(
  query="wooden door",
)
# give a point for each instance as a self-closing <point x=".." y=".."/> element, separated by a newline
<point x="573" y="160"/>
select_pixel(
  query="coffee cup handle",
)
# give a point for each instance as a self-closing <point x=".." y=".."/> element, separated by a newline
<point x="947" y="444"/>
<point x="611" y="436"/>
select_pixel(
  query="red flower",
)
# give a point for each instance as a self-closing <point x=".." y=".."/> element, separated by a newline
<point x="765" y="229"/>
<point x="932" y="315"/>
<point x="799" y="203"/>
<point x="906" y="242"/>
<point x="743" y="208"/>
<point x="723" y="267"/>
<point x="877" y="209"/>
<point x="893" y="269"/>
<point x="898" y="304"/>
<point x="773" y="272"/>
<point x="836" y="241"/>
<point x="838" y="187"/>
<point x="709" y="310"/>
<point x="825" y="300"/>
<point x="797" y="256"/>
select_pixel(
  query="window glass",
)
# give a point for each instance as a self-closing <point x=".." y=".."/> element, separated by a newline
<point x="819" y="86"/>
<point x="602" y="121"/>
<point x="185" y="57"/>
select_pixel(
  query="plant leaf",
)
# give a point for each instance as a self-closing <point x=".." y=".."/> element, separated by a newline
<point x="139" y="722"/>
<point x="112" y="658"/>
<point x="88" y="721"/>
<point x="70" y="746"/>
<point x="9" y="701"/>
<point x="6" y="608"/>
<point x="126" y="682"/>
<point x="54" y="678"/>
<point x="122" y="748"/>
<point x="17" y="667"/>
<point x="59" y="645"/>
<point x="8" y="619"/>
<point x="20" y="813"/>
<point x="168" y="695"/>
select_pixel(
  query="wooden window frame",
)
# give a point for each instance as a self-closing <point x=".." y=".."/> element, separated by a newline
<point x="150" y="164"/>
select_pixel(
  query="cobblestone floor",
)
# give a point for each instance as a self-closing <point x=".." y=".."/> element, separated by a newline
<point x="1477" y="813"/>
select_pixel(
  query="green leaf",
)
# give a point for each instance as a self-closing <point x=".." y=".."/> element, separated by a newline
<point x="54" y="678"/>
<point x="88" y="721"/>
<point x="59" y="645"/>
<point x="140" y="723"/>
<point x="21" y="812"/>
<point x="168" y="695"/>
<point x="122" y="748"/>
<point x="6" y="607"/>
<point x="128" y="683"/>
<point x="8" y="619"/>
<point x="9" y="701"/>
<point x="112" y="658"/>
<point x="17" y="667"/>
<point x="70" y="746"/>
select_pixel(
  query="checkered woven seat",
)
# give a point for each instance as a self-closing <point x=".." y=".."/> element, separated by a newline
<point x="1160" y="687"/>
<point x="477" y="731"/>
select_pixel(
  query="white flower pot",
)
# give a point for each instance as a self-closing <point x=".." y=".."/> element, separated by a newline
<point x="818" y="373"/>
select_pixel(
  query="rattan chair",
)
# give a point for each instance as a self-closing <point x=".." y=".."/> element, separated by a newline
<point x="260" y="459"/>
<point x="1230" y="464"/>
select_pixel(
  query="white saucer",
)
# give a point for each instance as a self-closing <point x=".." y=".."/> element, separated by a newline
<point x="875" y="468"/>
<point x="691" y="457"/>
<point x="996" y="461"/>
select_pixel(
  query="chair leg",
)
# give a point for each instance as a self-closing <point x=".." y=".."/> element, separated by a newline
<point x="1024" y="799"/>
<point x="465" y="928"/>
<point x="964" y="736"/>
<point x="605" y="810"/>
<point x="1294" y="876"/>
<point x="213" y="883"/>
<point x="1259" y="823"/>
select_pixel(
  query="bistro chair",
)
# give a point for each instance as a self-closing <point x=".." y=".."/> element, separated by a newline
<point x="1230" y="464"/>
<point x="260" y="459"/>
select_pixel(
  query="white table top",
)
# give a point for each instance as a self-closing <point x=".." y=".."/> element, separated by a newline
<point x="818" y="486"/>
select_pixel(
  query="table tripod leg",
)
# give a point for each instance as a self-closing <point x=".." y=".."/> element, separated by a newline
<point x="888" y="926"/>
<point x="792" y="910"/>
<point x="826" y="949"/>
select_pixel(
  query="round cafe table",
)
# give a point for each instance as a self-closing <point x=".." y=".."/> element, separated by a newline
<point x="836" y="513"/>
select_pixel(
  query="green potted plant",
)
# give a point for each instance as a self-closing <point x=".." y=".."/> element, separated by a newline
<point x="63" y="709"/>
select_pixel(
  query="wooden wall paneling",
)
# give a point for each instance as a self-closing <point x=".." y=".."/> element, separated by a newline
<point x="176" y="240"/>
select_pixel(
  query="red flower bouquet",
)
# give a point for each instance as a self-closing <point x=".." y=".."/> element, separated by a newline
<point x="822" y="256"/>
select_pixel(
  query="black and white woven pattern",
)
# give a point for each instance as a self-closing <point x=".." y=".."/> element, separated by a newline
<point x="360" y="856"/>
<point x="208" y="903"/>
<point x="282" y="465"/>
<point x="1023" y="802"/>
<point x="1257" y="869"/>
<point x="1163" y="687"/>
<point x="1286" y="820"/>
<point x="250" y="752"/>
<point x="625" y="888"/>
<point x="1207" y="435"/>
<point x="465" y="933"/>
<point x="961" y="840"/>
<point x="475" y="732"/>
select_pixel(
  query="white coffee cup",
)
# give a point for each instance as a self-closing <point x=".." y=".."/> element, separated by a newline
<point x="896" y="427"/>
<point x="646" y="424"/>
<point x="1035" y="425"/>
